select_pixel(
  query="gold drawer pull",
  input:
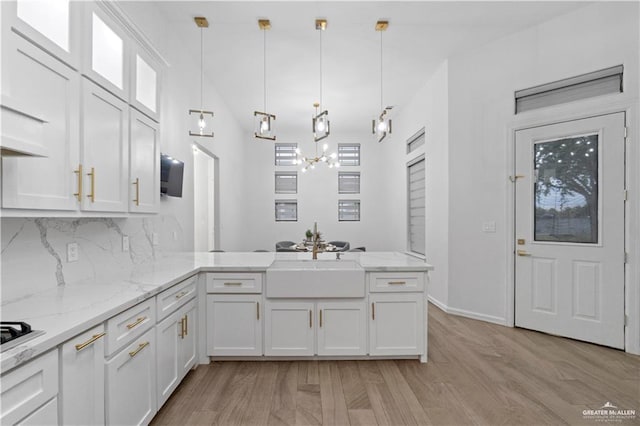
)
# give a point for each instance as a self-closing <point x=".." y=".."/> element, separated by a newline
<point x="258" y="311"/>
<point x="186" y="325"/>
<point x="320" y="318"/>
<point x="373" y="311"/>
<point x="232" y="283"/>
<point x="181" y="328"/>
<point x="523" y="253"/>
<point x="310" y="319"/>
<point x="95" y="337"/>
<point x="397" y="282"/>
<point x="137" y="184"/>
<point x="141" y="346"/>
<point x="79" y="173"/>
<point x="92" y="195"/>
<point x="138" y="321"/>
<point x="181" y="294"/>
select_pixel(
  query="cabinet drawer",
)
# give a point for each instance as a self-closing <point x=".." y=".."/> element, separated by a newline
<point x="234" y="283"/>
<point x="129" y="324"/>
<point x="396" y="282"/>
<point x="29" y="387"/>
<point x="171" y="299"/>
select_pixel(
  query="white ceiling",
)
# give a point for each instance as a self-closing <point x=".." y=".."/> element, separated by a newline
<point x="420" y="36"/>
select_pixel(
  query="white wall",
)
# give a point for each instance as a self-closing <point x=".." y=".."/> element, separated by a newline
<point x="428" y="109"/>
<point x="317" y="195"/>
<point x="481" y="87"/>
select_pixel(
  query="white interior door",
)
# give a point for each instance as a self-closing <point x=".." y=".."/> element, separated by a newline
<point x="569" y="229"/>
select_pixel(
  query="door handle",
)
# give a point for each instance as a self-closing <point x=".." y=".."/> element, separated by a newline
<point x="523" y="253"/>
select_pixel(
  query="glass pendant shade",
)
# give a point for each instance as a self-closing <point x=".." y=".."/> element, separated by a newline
<point x="264" y="125"/>
<point x="321" y="125"/>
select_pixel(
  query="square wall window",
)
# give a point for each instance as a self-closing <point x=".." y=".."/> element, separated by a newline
<point x="348" y="182"/>
<point x="286" y="210"/>
<point x="349" y="154"/>
<point x="286" y="182"/>
<point x="286" y="154"/>
<point x="348" y="210"/>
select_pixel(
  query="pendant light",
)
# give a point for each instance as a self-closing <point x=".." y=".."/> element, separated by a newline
<point x="263" y="120"/>
<point x="320" y="122"/>
<point x="324" y="157"/>
<point x="200" y="118"/>
<point x="382" y="126"/>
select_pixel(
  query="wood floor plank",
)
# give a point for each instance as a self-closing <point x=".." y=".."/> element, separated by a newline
<point x="478" y="373"/>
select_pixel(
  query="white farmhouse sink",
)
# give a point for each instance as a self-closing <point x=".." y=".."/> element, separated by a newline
<point x="315" y="278"/>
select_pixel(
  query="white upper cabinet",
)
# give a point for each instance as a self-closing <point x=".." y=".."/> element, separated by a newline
<point x="144" y="159"/>
<point x="49" y="89"/>
<point x="145" y="84"/>
<point x="51" y="24"/>
<point x="106" y="52"/>
<point x="105" y="150"/>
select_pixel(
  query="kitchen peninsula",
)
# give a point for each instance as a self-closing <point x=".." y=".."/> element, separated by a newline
<point x="147" y="326"/>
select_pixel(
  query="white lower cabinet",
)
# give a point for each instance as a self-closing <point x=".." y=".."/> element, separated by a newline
<point x="342" y="328"/>
<point x="396" y="323"/>
<point x="131" y="383"/>
<point x="234" y="325"/>
<point x="293" y="327"/>
<point x="29" y="392"/>
<point x="176" y="349"/>
<point x="82" y="379"/>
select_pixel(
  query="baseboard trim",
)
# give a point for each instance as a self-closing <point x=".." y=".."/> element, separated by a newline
<point x="468" y="314"/>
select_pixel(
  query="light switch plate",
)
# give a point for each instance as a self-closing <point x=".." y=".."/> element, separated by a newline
<point x="72" y="252"/>
<point x="125" y="243"/>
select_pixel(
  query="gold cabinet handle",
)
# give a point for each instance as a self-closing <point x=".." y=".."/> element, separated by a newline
<point x="95" y="337"/>
<point x="397" y="282"/>
<point x="320" y="318"/>
<point x="181" y="294"/>
<point x="78" y="194"/>
<point x="138" y="321"/>
<point x="523" y="253"/>
<point x="181" y="328"/>
<point x="186" y="325"/>
<point x="310" y="319"/>
<point x="92" y="195"/>
<point x="373" y="311"/>
<point x="229" y="284"/>
<point x="137" y="184"/>
<point x="258" y="311"/>
<point x="141" y="346"/>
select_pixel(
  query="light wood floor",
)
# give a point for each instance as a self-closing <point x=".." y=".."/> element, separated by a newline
<point x="478" y="373"/>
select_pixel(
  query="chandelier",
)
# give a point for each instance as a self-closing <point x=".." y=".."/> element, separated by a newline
<point x="264" y="120"/>
<point x="381" y="126"/>
<point x="201" y="115"/>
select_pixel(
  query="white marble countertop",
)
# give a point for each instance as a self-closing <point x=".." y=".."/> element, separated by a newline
<point x="66" y="311"/>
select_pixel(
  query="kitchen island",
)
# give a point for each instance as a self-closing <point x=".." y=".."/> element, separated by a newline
<point x="142" y="329"/>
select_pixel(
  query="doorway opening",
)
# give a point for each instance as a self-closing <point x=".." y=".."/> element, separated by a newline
<point x="205" y="199"/>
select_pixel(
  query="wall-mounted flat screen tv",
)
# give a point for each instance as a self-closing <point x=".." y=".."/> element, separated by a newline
<point x="171" y="171"/>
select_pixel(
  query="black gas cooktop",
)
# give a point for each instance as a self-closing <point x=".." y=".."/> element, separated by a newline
<point x="13" y="334"/>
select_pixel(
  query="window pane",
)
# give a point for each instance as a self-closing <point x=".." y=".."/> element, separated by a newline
<point x="286" y="154"/>
<point x="286" y="182"/>
<point x="48" y="17"/>
<point x="286" y="210"/>
<point x="416" y="201"/>
<point x="348" y="182"/>
<point x="566" y="190"/>
<point x="415" y="141"/>
<point x="145" y="84"/>
<point x="107" y="52"/>
<point x="348" y="210"/>
<point x="349" y="154"/>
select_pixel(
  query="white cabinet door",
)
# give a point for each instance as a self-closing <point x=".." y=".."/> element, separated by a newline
<point x="396" y="324"/>
<point x="342" y="328"/>
<point x="82" y="379"/>
<point x="48" y="89"/>
<point x="168" y="354"/>
<point x="131" y="385"/>
<point x="105" y="150"/>
<point x="289" y="328"/>
<point x="189" y="337"/>
<point x="234" y="324"/>
<point x="144" y="174"/>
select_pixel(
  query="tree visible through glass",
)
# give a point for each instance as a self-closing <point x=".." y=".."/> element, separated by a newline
<point x="566" y="190"/>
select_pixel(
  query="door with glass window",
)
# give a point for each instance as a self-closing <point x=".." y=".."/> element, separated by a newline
<point x="569" y="229"/>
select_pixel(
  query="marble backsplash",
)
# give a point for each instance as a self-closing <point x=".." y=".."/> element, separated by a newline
<point x="34" y="250"/>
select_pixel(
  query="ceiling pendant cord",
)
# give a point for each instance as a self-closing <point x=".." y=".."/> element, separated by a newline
<point x="320" y="70"/>
<point x="264" y="49"/>
<point x="381" y="103"/>
<point x="201" y="71"/>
